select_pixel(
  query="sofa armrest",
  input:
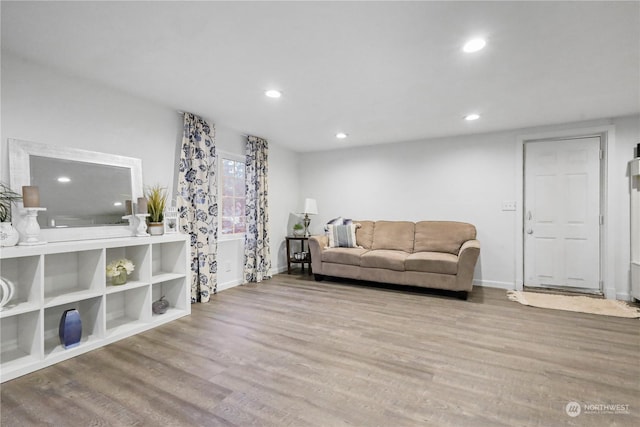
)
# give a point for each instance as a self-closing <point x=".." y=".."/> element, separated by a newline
<point x="467" y="258"/>
<point x="316" y="246"/>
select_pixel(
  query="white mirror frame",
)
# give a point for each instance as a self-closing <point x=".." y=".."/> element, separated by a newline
<point x="20" y="175"/>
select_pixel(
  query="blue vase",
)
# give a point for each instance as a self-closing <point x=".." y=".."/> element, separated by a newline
<point x="70" y="330"/>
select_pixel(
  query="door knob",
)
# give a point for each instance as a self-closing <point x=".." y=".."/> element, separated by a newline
<point x="529" y="231"/>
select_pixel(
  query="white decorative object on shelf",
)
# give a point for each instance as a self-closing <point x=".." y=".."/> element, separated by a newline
<point x="9" y="235"/>
<point x="32" y="228"/>
<point x="133" y="223"/>
<point x="171" y="219"/>
<point x="141" y="230"/>
<point x="51" y="279"/>
<point x="7" y="289"/>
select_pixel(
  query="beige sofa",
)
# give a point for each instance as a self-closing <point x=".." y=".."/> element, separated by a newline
<point x="430" y="254"/>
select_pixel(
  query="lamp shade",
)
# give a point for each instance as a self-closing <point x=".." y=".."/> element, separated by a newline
<point x="310" y="207"/>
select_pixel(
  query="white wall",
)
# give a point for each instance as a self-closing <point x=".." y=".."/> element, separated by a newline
<point x="43" y="105"/>
<point x="284" y="197"/>
<point x="463" y="178"/>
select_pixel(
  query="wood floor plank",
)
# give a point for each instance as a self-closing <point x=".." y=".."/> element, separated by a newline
<point x="300" y="353"/>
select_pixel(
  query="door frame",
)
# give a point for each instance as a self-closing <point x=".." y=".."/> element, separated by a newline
<point x="607" y="202"/>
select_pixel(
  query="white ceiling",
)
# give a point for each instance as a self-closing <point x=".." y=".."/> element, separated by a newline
<point x="379" y="71"/>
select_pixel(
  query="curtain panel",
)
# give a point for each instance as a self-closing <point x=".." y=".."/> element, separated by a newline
<point x="197" y="203"/>
<point x="257" y="254"/>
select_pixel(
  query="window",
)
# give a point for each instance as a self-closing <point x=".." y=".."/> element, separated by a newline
<point x="232" y="196"/>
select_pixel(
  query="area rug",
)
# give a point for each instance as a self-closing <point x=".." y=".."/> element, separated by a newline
<point x="581" y="304"/>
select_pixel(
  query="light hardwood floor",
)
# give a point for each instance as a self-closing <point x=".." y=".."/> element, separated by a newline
<point x="293" y="352"/>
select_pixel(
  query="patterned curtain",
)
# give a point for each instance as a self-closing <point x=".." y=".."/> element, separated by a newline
<point x="257" y="255"/>
<point x="197" y="204"/>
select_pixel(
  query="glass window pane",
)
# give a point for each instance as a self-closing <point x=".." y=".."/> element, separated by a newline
<point x="232" y="205"/>
<point x="228" y="167"/>
<point x="239" y="209"/>
<point x="227" y="186"/>
<point x="227" y="206"/>
<point x="227" y="225"/>
<point x="240" y="170"/>
<point x="239" y="226"/>
<point x="239" y="187"/>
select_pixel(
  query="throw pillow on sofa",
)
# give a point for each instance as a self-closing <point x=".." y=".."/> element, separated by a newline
<point x="337" y="221"/>
<point x="342" y="236"/>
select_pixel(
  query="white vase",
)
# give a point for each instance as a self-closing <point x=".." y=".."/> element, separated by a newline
<point x="7" y="289"/>
<point x="9" y="236"/>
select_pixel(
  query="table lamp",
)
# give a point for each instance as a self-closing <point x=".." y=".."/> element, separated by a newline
<point x="310" y="208"/>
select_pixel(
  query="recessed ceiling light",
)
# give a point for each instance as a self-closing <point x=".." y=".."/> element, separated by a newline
<point x="64" y="179"/>
<point x="117" y="203"/>
<point x="471" y="117"/>
<point x="272" y="93"/>
<point x="474" y="45"/>
<point x="341" y="135"/>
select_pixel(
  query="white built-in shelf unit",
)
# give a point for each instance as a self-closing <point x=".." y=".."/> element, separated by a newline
<point x="55" y="277"/>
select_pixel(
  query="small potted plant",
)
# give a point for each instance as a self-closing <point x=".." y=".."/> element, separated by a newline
<point x="156" y="201"/>
<point x="9" y="236"/>
<point x="298" y="230"/>
<point x="118" y="271"/>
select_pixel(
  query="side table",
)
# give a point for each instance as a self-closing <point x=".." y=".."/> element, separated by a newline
<point x="291" y="258"/>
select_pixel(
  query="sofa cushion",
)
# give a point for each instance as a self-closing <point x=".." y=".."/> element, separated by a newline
<point x="442" y="236"/>
<point x="349" y="256"/>
<point x="394" y="235"/>
<point x="342" y="236"/>
<point x="432" y="262"/>
<point x="364" y="233"/>
<point x="384" y="258"/>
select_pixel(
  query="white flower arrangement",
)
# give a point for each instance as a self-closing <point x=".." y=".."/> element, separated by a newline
<point x="115" y="267"/>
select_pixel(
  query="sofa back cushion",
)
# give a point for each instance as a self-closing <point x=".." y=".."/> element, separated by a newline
<point x="442" y="236"/>
<point x="364" y="233"/>
<point x="394" y="235"/>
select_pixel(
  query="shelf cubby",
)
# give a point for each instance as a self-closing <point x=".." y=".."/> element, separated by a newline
<point x="167" y="261"/>
<point x="73" y="276"/>
<point x="26" y="275"/>
<point x="174" y="292"/>
<point x="20" y="338"/>
<point x="127" y="310"/>
<point x="138" y="255"/>
<point x="91" y="315"/>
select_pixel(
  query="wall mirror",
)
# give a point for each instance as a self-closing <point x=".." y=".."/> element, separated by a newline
<point x="84" y="191"/>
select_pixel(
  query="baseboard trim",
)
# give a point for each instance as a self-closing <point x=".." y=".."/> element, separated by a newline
<point x="493" y="284"/>
<point x="228" y="285"/>
<point x="277" y="270"/>
<point x="610" y="293"/>
<point x="623" y="296"/>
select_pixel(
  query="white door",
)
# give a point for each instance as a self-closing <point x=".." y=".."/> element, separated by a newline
<point x="562" y="213"/>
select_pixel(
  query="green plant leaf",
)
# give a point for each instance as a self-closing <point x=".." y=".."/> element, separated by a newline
<point x="156" y="202"/>
<point x="7" y="197"/>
